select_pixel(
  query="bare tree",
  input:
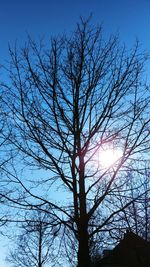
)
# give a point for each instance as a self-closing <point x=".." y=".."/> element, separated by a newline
<point x="67" y="104"/>
<point x="137" y="216"/>
<point x="35" y="243"/>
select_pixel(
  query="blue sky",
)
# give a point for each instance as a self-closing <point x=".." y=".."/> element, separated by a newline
<point x="45" y="17"/>
<point x="129" y="18"/>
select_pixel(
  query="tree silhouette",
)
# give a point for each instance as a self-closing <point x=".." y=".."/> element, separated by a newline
<point x="66" y="104"/>
<point x="34" y="243"/>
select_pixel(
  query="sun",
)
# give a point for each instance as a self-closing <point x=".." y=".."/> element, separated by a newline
<point x="109" y="157"/>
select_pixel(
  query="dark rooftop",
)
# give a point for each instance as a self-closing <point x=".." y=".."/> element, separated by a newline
<point x="132" y="251"/>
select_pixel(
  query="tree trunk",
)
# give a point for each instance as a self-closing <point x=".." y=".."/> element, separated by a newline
<point x="40" y="246"/>
<point x="83" y="249"/>
<point x="83" y="237"/>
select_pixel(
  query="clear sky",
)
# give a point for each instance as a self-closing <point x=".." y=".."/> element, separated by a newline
<point x="129" y="18"/>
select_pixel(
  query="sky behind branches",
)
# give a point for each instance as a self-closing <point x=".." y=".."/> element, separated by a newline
<point x="43" y="18"/>
<point x="129" y="18"/>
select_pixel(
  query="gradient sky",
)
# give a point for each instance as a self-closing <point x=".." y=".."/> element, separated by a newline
<point x="129" y="18"/>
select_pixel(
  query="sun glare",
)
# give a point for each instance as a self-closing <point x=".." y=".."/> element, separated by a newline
<point x="109" y="157"/>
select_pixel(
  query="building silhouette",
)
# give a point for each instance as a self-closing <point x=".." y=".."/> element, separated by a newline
<point x="132" y="251"/>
